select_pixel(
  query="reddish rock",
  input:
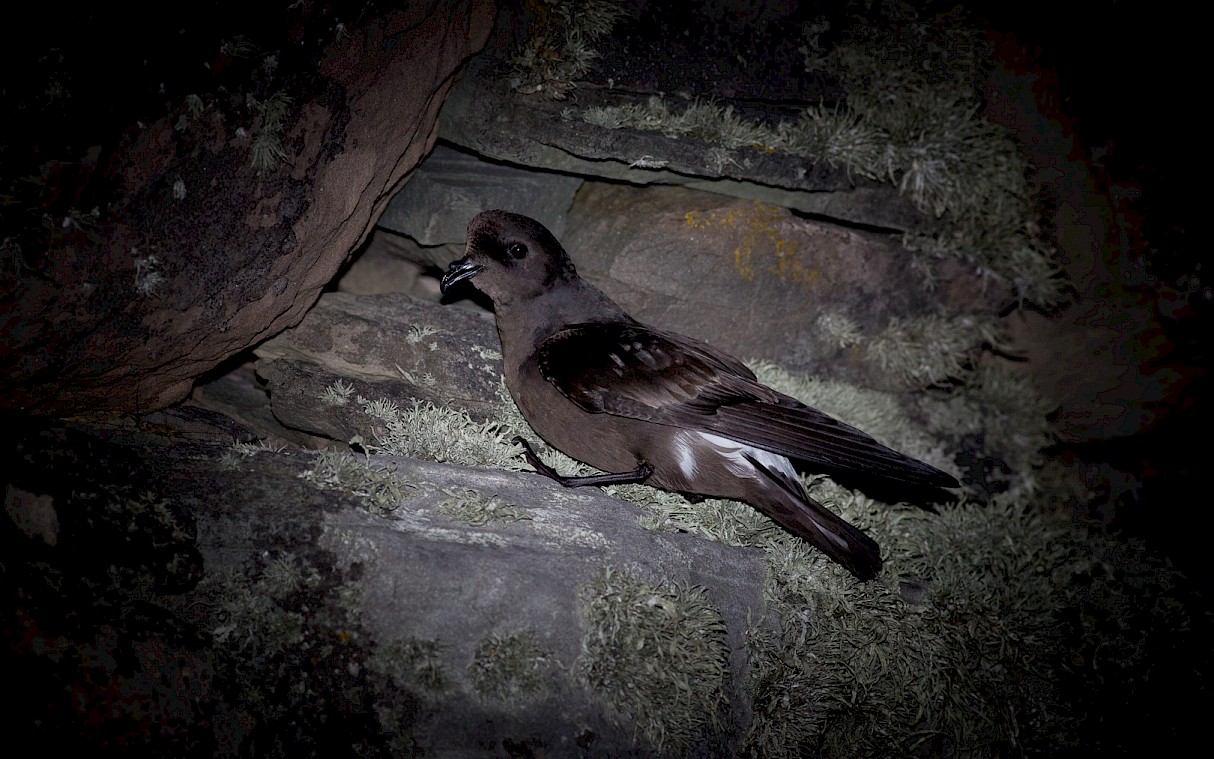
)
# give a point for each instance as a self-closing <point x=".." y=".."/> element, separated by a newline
<point x="195" y="254"/>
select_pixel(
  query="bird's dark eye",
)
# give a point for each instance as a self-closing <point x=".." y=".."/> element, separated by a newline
<point x="517" y="250"/>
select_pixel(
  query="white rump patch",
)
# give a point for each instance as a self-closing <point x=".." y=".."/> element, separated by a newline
<point x="683" y="442"/>
<point x="735" y="454"/>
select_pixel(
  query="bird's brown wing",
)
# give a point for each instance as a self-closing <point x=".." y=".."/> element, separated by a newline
<point x="629" y="370"/>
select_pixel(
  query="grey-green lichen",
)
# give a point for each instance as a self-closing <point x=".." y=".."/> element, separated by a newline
<point x="246" y="617"/>
<point x="472" y="508"/>
<point x="938" y="151"/>
<point x="337" y="393"/>
<point x="287" y="574"/>
<point x="510" y="667"/>
<point x="949" y="652"/>
<point x="951" y="163"/>
<point x="149" y="536"/>
<point x="239" y="451"/>
<point x="380" y="489"/>
<point x="838" y="329"/>
<point x="1000" y="409"/>
<point x="931" y="350"/>
<point x="267" y="150"/>
<point x="657" y="654"/>
<point x="442" y="434"/>
<point x="729" y="522"/>
<point x="148" y="275"/>
<point x="704" y="121"/>
<point x="413" y="664"/>
<point x="446" y="435"/>
<point x="559" y="50"/>
<point x="419" y="332"/>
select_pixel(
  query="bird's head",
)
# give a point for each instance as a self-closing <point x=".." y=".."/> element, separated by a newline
<point x="513" y="258"/>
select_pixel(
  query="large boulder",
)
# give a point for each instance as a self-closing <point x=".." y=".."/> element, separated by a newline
<point x="184" y="237"/>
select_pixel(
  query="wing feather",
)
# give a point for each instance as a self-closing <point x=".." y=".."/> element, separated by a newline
<point x="629" y="370"/>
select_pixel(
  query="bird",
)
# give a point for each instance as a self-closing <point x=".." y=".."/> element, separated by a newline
<point x="645" y="405"/>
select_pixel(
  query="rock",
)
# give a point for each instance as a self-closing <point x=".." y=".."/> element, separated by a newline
<point x="451" y="186"/>
<point x="1131" y="376"/>
<point x="484" y="115"/>
<point x="379" y="268"/>
<point x="241" y="398"/>
<point x="391" y="347"/>
<point x="241" y="584"/>
<point x="228" y="215"/>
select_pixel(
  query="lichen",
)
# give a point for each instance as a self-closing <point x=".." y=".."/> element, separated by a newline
<point x="287" y="574"/>
<point x="148" y="275"/>
<point x="338" y="393"/>
<point x="510" y="667"/>
<point x="413" y="664"/>
<point x="240" y="450"/>
<point x="267" y="150"/>
<point x="442" y="434"/>
<point x="249" y="621"/>
<point x="762" y="242"/>
<point x="932" y="350"/>
<point x="558" y="52"/>
<point x="867" y="672"/>
<point x="380" y="489"/>
<point x="418" y="332"/>
<point x="657" y="654"/>
<point x="838" y="329"/>
<point x="472" y="508"/>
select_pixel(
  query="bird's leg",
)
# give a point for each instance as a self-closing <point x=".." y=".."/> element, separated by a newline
<point x="640" y="474"/>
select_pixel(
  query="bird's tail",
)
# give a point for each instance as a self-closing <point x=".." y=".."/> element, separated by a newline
<point x="792" y="508"/>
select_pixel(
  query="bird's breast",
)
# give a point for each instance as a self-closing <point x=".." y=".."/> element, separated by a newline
<point x="603" y="441"/>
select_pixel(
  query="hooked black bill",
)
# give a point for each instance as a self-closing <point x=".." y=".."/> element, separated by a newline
<point x="458" y="272"/>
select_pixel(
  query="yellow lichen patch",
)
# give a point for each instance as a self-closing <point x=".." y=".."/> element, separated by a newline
<point x="741" y="262"/>
<point x="761" y="234"/>
<point x="789" y="267"/>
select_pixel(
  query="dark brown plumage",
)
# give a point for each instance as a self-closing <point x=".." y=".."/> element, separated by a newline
<point x="651" y="406"/>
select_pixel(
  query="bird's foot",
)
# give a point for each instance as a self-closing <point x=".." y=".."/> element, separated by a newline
<point x="640" y="474"/>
